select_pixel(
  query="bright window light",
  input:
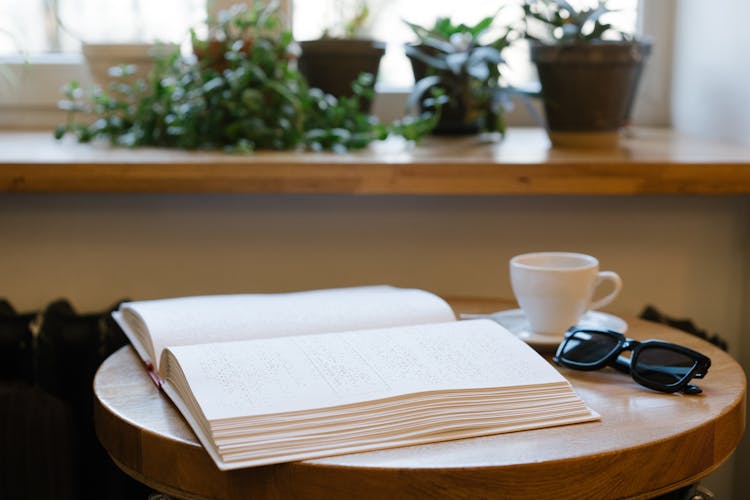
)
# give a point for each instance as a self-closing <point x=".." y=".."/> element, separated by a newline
<point x="386" y="23"/>
<point x="44" y="26"/>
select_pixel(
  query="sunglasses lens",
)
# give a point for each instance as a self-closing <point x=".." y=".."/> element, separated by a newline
<point x="587" y="347"/>
<point x="662" y="366"/>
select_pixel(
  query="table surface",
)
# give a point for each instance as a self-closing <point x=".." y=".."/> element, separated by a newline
<point x="647" y="161"/>
<point x="647" y="443"/>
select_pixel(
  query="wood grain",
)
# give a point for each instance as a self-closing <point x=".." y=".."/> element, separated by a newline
<point x="649" y="161"/>
<point x="646" y="444"/>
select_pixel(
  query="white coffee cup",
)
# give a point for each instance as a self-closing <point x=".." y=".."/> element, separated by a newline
<point x="554" y="289"/>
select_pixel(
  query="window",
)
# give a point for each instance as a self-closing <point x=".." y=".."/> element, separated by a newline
<point x="53" y="26"/>
<point x="40" y="39"/>
<point x="386" y="23"/>
<point x="40" y="43"/>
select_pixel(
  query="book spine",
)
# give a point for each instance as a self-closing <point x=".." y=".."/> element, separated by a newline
<point x="152" y="373"/>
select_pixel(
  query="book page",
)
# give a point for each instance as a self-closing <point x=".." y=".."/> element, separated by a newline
<point x="222" y="318"/>
<point x="237" y="379"/>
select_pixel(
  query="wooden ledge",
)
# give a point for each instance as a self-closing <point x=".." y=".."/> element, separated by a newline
<point x="649" y="161"/>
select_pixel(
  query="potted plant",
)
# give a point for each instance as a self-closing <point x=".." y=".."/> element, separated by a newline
<point x="588" y="71"/>
<point x="459" y="59"/>
<point x="239" y="92"/>
<point x="332" y="62"/>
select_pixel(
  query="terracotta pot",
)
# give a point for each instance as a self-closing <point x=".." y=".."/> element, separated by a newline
<point x="333" y="64"/>
<point x="212" y="53"/>
<point x="589" y="89"/>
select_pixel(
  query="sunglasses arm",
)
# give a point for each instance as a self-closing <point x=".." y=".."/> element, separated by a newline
<point x="621" y="364"/>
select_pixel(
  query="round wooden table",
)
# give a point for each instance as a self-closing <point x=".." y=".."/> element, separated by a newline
<point x="646" y="444"/>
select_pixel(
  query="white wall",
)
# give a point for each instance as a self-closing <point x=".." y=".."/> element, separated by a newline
<point x="673" y="252"/>
<point x="711" y="98"/>
<point x="711" y="93"/>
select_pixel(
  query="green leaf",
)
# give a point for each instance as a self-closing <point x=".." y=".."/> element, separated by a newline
<point x="429" y="60"/>
<point x="594" y="15"/>
<point x="481" y="26"/>
<point x="456" y="62"/>
<point x="419" y="89"/>
<point x="212" y="85"/>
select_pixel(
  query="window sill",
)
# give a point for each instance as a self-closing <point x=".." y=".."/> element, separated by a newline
<point x="649" y="161"/>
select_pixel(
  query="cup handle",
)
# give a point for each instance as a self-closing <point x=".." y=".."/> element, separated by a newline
<point x="601" y="278"/>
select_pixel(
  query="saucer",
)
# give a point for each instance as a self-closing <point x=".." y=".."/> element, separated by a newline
<point x="515" y="321"/>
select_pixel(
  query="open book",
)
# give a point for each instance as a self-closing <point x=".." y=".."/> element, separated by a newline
<point x="269" y="378"/>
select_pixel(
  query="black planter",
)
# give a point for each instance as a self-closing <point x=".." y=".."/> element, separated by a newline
<point x="333" y="64"/>
<point x="588" y="89"/>
<point x="455" y="116"/>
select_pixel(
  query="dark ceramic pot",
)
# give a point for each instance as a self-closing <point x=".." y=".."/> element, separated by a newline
<point x="589" y="88"/>
<point x="455" y="117"/>
<point x="333" y="64"/>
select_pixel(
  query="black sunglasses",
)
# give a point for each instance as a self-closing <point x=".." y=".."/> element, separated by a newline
<point x="661" y="366"/>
